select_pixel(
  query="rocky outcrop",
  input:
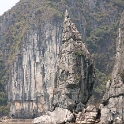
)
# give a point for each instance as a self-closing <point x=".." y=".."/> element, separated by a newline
<point x="75" y="71"/>
<point x="32" y="73"/>
<point x="74" y="77"/>
<point x="32" y="68"/>
<point x="90" y="115"/>
<point x="112" y="108"/>
<point x="58" y="116"/>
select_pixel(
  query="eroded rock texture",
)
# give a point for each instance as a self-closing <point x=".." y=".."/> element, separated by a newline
<point x="90" y="115"/>
<point x="58" y="116"/>
<point x="113" y="101"/>
<point x="33" y="71"/>
<point x="75" y="72"/>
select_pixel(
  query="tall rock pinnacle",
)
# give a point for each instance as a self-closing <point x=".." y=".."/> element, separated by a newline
<point x="70" y="30"/>
<point x="112" y="110"/>
<point x="75" y="73"/>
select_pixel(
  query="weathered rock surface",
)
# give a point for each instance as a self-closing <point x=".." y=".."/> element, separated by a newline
<point x="75" y="71"/>
<point x="31" y="78"/>
<point x="33" y="72"/>
<point x="88" y="116"/>
<point x="58" y="116"/>
<point x="112" y="108"/>
<point x="74" y="77"/>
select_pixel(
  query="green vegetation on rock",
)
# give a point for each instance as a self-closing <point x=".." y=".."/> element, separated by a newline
<point x="4" y="108"/>
<point x="99" y="86"/>
<point x="119" y="3"/>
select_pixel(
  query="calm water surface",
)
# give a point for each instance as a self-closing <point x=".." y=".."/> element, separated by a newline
<point x="16" y="123"/>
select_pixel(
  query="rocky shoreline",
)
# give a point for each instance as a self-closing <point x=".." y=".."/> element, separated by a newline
<point x="89" y="115"/>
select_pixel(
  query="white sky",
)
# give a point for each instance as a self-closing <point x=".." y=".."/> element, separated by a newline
<point x="6" y="5"/>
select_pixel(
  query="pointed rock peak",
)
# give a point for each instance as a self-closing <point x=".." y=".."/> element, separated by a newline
<point x="69" y="29"/>
<point x="66" y="14"/>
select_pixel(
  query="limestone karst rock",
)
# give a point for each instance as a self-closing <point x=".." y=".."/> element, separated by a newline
<point x="32" y="73"/>
<point x="75" y="71"/>
<point x="88" y="116"/>
<point x="112" y="108"/>
<point x="58" y="116"/>
<point x="74" y="77"/>
<point x="31" y="80"/>
<point x="30" y="35"/>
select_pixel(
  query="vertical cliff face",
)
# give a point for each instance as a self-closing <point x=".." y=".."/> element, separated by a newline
<point x="32" y="79"/>
<point x="75" y="70"/>
<point x="33" y="71"/>
<point x="113" y="101"/>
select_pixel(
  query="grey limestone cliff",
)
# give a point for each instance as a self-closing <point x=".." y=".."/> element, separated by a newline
<point x="35" y="76"/>
<point x="31" y="73"/>
<point x="112" y="109"/>
<point x="75" y="70"/>
<point x="31" y="80"/>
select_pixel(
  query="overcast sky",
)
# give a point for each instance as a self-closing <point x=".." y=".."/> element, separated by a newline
<point x="6" y="5"/>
